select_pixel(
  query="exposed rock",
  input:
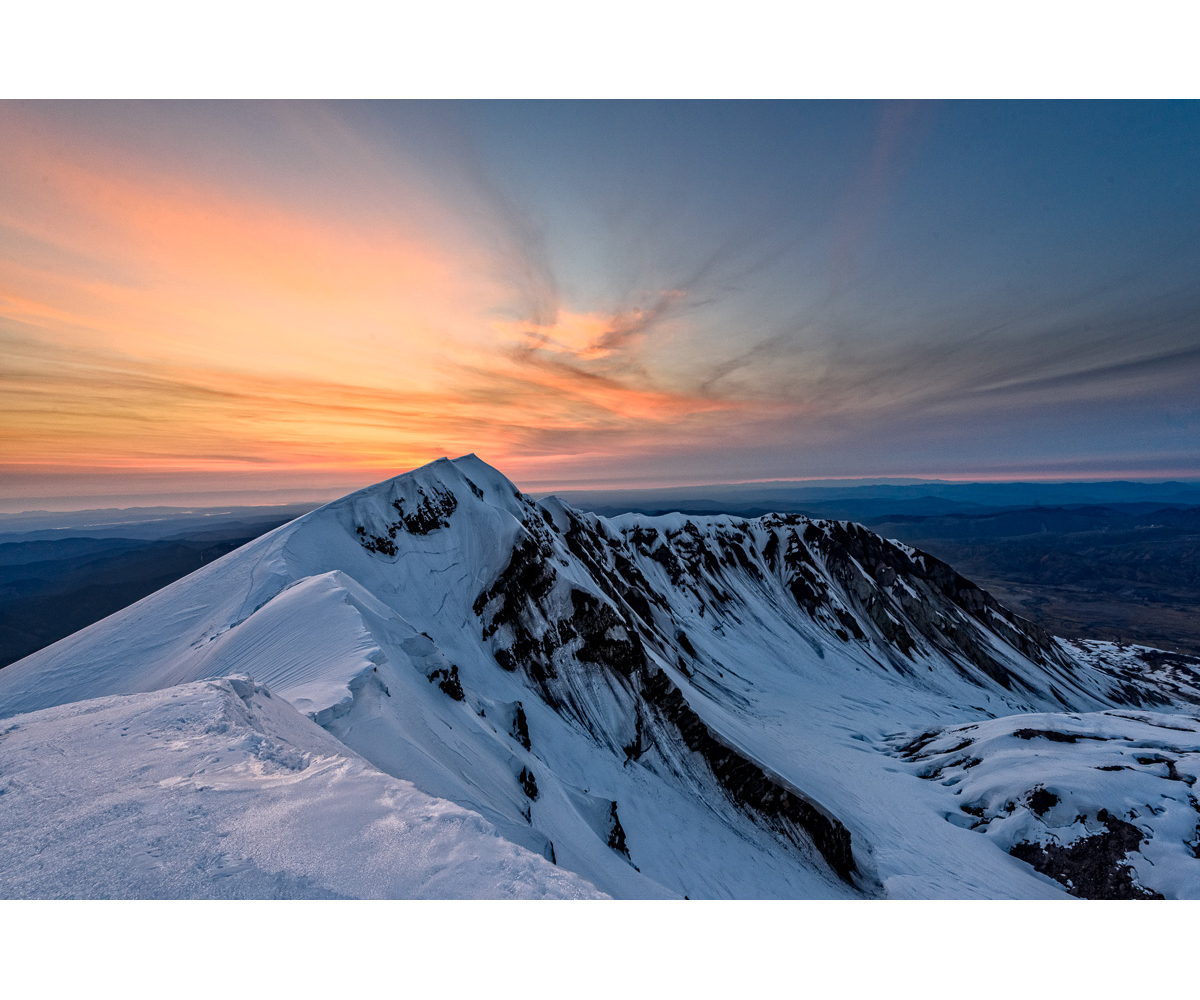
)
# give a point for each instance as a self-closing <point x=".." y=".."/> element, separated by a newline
<point x="616" y="834"/>
<point x="431" y="513"/>
<point x="1092" y="867"/>
<point x="520" y="727"/>
<point x="528" y="783"/>
<point x="786" y="809"/>
<point x="1041" y="801"/>
<point x="447" y="680"/>
<point x="1053" y="737"/>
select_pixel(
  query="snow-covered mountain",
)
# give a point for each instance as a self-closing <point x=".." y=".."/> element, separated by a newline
<point x="567" y="705"/>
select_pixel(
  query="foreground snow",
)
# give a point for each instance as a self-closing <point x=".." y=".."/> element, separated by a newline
<point x="218" y="790"/>
<point x="1104" y="802"/>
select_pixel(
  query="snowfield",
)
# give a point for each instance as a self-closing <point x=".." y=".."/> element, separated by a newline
<point x="217" y="790"/>
<point x="458" y="692"/>
<point x="1104" y="801"/>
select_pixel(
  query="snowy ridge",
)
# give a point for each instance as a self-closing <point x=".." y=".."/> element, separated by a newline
<point x="666" y="706"/>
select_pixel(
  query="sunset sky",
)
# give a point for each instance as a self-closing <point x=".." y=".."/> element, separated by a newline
<point x="197" y="298"/>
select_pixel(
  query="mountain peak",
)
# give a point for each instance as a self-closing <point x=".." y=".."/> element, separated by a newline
<point x="449" y="474"/>
<point x="665" y="706"/>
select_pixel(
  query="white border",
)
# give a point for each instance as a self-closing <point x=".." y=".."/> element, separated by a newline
<point x="619" y="48"/>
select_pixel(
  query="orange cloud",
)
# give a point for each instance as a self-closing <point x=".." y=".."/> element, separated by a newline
<point x="591" y="336"/>
<point x="126" y="258"/>
<point x="156" y="319"/>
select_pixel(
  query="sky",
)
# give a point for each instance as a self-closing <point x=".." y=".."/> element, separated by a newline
<point x="271" y="298"/>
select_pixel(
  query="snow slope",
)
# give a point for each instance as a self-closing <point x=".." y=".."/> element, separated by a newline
<point x="664" y="706"/>
<point x="218" y="790"/>
<point x="1103" y="801"/>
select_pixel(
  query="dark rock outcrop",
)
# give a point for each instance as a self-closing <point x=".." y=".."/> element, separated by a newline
<point x="1092" y="867"/>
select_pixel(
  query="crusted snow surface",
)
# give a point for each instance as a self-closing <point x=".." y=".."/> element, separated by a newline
<point x="216" y="789"/>
<point x="1062" y="789"/>
<point x="706" y="706"/>
<point x="1176" y="676"/>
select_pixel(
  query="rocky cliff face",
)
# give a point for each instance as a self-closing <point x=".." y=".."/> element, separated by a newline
<point x="592" y="613"/>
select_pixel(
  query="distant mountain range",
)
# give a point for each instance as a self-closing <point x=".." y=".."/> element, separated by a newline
<point x="854" y="500"/>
